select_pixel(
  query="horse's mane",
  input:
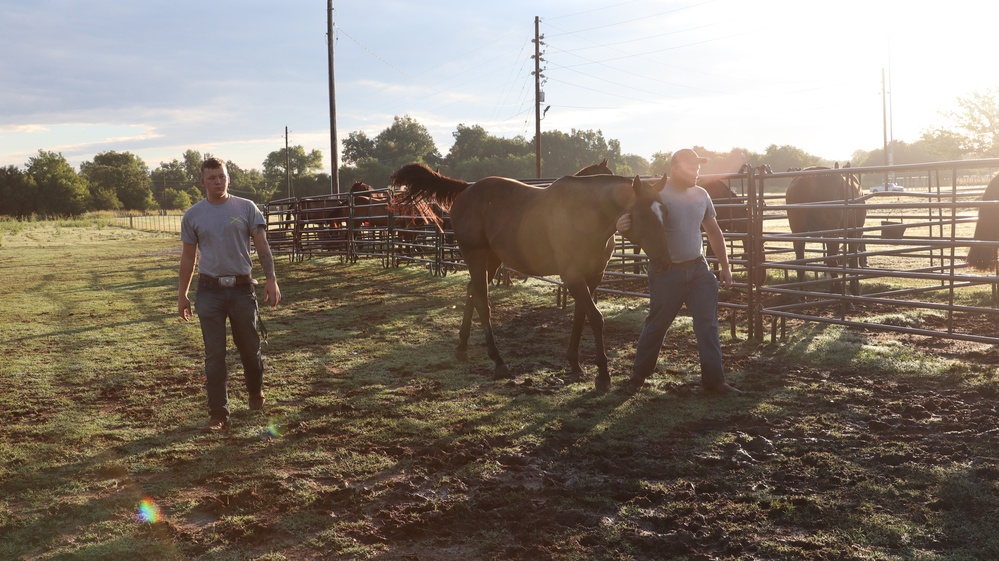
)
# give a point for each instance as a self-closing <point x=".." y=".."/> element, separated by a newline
<point x="423" y="188"/>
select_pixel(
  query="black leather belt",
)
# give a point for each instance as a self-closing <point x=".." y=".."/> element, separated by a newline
<point x="687" y="264"/>
<point x="208" y="281"/>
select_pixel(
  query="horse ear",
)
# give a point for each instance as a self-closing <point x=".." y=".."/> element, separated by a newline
<point x="640" y="188"/>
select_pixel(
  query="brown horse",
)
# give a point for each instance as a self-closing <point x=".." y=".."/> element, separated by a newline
<point x="369" y="206"/>
<point x="827" y="222"/>
<point x="565" y="229"/>
<point x="731" y="210"/>
<point x="600" y="168"/>
<point x="987" y="228"/>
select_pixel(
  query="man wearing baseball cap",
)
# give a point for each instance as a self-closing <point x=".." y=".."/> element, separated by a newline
<point x="687" y="279"/>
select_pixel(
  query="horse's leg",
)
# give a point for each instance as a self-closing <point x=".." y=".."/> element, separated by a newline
<point x="461" y="352"/>
<point x="855" y="263"/>
<point x="799" y="254"/>
<point x="586" y="309"/>
<point x="477" y="298"/>
<point x="578" y="320"/>
<point x="833" y="262"/>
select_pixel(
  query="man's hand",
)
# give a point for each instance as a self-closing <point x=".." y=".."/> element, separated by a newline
<point x="725" y="277"/>
<point x="272" y="293"/>
<point x="624" y="223"/>
<point x="184" y="308"/>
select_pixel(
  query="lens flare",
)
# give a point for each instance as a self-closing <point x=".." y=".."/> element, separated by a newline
<point x="275" y="428"/>
<point x="149" y="511"/>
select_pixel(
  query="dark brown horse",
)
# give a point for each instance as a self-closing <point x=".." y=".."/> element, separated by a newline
<point x="600" y="168"/>
<point x="370" y="207"/>
<point x="987" y="228"/>
<point x="827" y="222"/>
<point x="732" y="213"/>
<point x="565" y="229"/>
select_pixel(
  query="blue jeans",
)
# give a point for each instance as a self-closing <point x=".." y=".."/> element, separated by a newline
<point x="697" y="287"/>
<point x="239" y="305"/>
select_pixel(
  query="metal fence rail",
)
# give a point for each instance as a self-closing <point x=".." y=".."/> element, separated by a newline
<point x="911" y="264"/>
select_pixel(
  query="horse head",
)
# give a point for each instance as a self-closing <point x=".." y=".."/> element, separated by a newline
<point x="647" y="222"/>
<point x="601" y="168"/>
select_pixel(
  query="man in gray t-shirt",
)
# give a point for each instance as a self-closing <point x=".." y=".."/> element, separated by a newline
<point x="219" y="229"/>
<point x="687" y="279"/>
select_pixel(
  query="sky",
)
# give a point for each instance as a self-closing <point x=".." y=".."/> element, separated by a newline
<point x="227" y="77"/>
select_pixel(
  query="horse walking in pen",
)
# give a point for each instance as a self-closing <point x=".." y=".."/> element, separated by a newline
<point x="566" y="229"/>
<point x="987" y="229"/>
<point x="830" y="222"/>
<point x="732" y="212"/>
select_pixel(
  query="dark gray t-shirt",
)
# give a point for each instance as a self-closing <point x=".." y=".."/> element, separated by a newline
<point x="687" y="208"/>
<point x="222" y="233"/>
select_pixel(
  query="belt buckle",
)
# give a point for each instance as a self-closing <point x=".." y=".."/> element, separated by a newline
<point x="227" y="281"/>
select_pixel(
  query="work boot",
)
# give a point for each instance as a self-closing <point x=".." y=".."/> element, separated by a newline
<point x="721" y="389"/>
<point x="257" y="402"/>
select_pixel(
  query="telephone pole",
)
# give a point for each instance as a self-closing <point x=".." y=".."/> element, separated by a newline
<point x="287" y="161"/>
<point x="334" y="154"/>
<point x="539" y="95"/>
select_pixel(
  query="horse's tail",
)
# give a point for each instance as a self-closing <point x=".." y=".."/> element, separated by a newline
<point x="423" y="187"/>
<point x="987" y="228"/>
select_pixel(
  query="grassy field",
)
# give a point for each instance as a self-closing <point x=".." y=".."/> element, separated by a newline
<point x="377" y="444"/>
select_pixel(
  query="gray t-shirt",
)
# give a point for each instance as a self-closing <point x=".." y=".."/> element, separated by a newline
<point x="687" y="208"/>
<point x="222" y="233"/>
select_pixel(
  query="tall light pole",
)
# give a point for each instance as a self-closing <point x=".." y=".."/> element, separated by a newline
<point x="334" y="153"/>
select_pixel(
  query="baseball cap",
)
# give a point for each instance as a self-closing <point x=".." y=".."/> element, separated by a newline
<point x="686" y="155"/>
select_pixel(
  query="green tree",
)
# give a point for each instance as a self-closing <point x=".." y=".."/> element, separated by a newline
<point x="406" y="141"/>
<point x="118" y="180"/>
<point x="632" y="164"/>
<point x="476" y="154"/>
<point x="304" y="169"/>
<point x="978" y="119"/>
<point x="660" y="163"/>
<point x="18" y="192"/>
<point x="563" y="154"/>
<point x="783" y="158"/>
<point x="374" y="161"/>
<point x="357" y="147"/>
<point x="370" y="171"/>
<point x="192" y="166"/>
<point x="171" y="179"/>
<point x="61" y="191"/>
<point x="943" y="144"/>
<point x="473" y="169"/>
<point x="474" y="142"/>
<point x="902" y="153"/>
<point x="249" y="184"/>
<point x="172" y="199"/>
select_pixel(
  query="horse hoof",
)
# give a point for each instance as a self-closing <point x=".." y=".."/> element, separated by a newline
<point x="603" y="384"/>
<point x="461" y="355"/>
<point x="502" y="373"/>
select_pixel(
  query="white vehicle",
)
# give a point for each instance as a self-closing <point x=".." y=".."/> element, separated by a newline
<point x="887" y="188"/>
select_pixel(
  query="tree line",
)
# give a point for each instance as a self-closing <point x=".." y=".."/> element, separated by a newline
<point x="49" y="186"/>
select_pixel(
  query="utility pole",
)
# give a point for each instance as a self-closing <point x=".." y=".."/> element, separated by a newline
<point x="884" y="124"/>
<point x="287" y="161"/>
<point x="335" y="156"/>
<point x="538" y="94"/>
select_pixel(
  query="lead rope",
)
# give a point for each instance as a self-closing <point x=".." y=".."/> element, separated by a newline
<point x="261" y="329"/>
